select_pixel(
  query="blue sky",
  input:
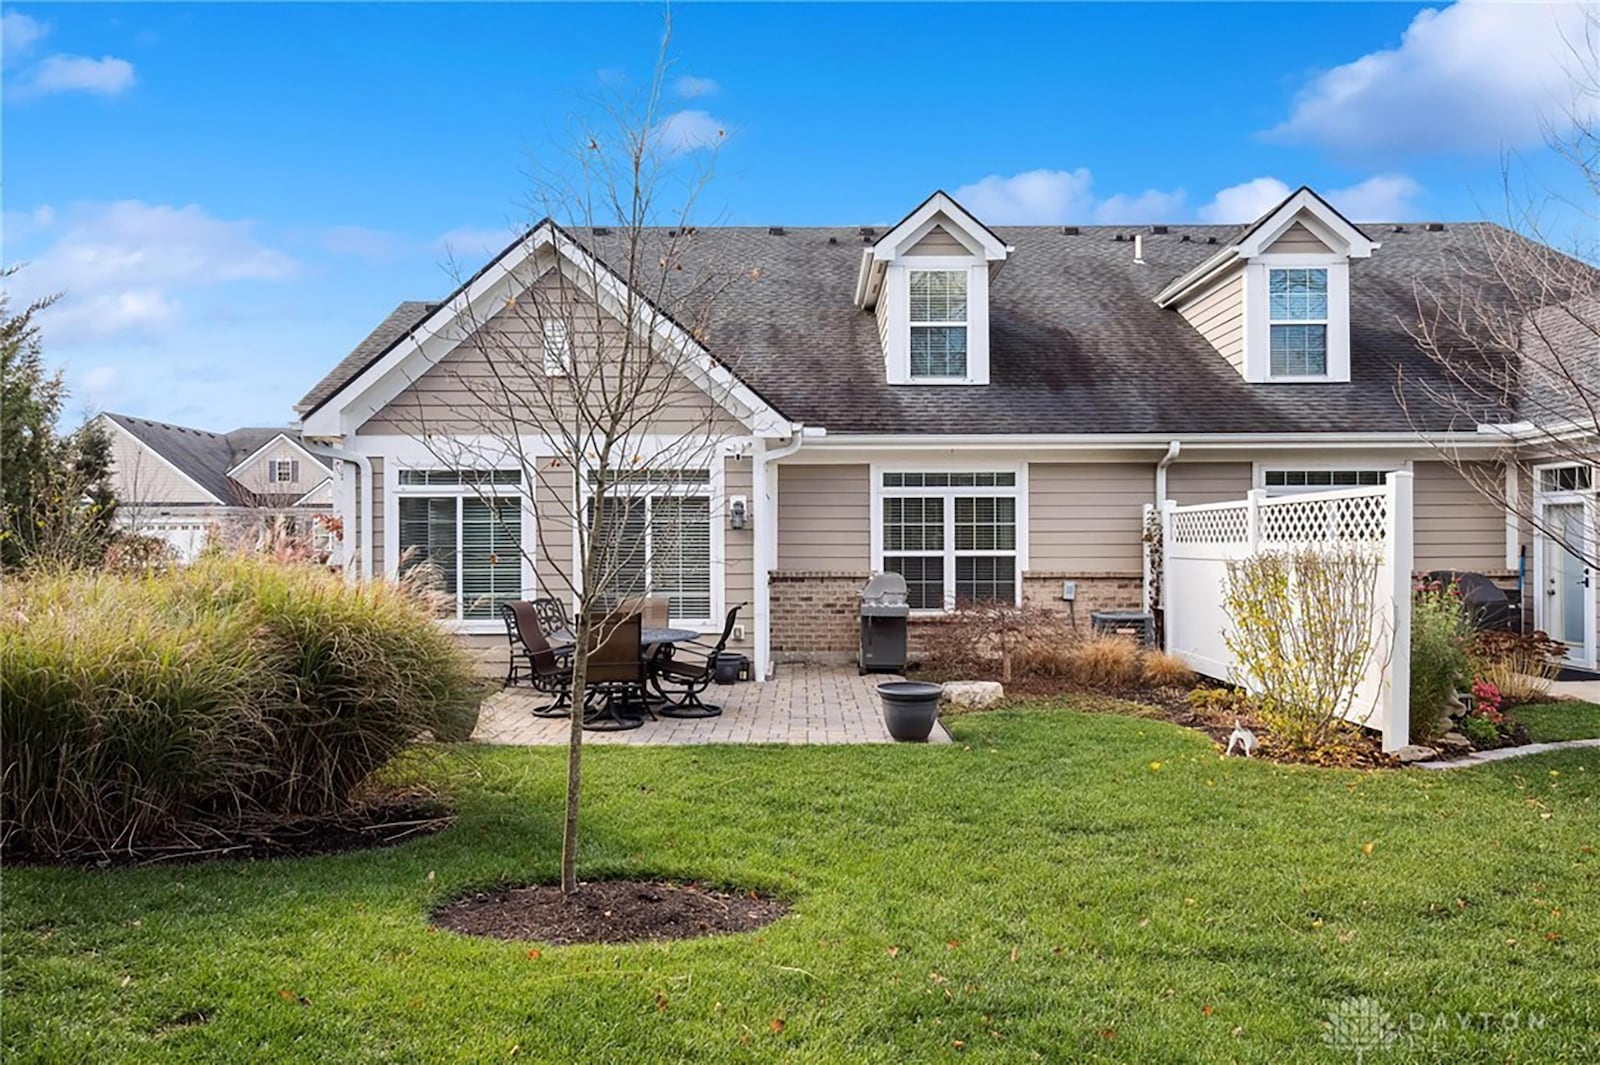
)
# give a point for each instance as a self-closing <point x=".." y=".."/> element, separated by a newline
<point x="231" y="196"/>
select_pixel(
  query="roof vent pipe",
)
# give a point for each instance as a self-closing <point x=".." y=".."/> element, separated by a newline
<point x="1138" y="247"/>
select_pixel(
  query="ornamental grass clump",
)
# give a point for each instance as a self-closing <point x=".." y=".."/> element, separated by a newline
<point x="141" y="708"/>
<point x="1305" y="628"/>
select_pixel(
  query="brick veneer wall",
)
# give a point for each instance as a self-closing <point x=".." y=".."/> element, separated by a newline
<point x="814" y="612"/>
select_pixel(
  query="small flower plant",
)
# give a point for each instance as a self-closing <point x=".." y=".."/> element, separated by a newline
<point x="1488" y="702"/>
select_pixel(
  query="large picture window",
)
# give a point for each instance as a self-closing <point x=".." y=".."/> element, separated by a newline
<point x="472" y="539"/>
<point x="939" y="323"/>
<point x="952" y="536"/>
<point x="1298" y="318"/>
<point x="655" y="532"/>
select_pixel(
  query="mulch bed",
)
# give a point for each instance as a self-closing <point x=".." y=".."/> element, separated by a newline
<point x="375" y="823"/>
<point x="607" y="911"/>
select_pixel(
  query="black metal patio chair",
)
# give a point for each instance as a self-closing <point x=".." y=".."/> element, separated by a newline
<point x="547" y="669"/>
<point x="614" y="677"/>
<point x="681" y="672"/>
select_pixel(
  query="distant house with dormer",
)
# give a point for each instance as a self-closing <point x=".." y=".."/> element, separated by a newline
<point x="185" y="485"/>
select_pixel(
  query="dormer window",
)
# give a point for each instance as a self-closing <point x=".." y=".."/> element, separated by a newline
<point x="926" y="281"/>
<point x="1298" y="321"/>
<point x="938" y="324"/>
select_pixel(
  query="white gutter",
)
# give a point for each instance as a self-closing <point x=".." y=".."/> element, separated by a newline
<point x="363" y="490"/>
<point x="1173" y="450"/>
<point x="765" y="547"/>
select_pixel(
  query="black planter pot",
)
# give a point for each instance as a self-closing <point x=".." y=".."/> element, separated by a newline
<point x="910" y="708"/>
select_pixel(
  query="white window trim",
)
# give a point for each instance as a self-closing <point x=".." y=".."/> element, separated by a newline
<point x="1258" y="320"/>
<point x="965" y="324"/>
<point x="715" y="492"/>
<point x="898" y="284"/>
<point x="1019" y="491"/>
<point x="1323" y="321"/>
<point x="1258" y="478"/>
<point x="394" y="490"/>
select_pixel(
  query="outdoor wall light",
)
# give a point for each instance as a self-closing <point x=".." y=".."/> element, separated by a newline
<point x="738" y="512"/>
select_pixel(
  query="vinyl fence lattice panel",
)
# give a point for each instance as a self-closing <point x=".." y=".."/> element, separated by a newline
<point x="1332" y="520"/>
<point x="1228" y="524"/>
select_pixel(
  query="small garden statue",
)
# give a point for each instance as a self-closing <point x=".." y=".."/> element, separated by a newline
<point x="1242" y="738"/>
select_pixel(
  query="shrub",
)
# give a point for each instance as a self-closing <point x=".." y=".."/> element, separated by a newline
<point x="1520" y="666"/>
<point x="136" y="706"/>
<point x="1303" y="629"/>
<point x="1164" y="670"/>
<point x="1104" y="661"/>
<point x="999" y="641"/>
<point x="1223" y="706"/>
<point x="1440" y="633"/>
<point x="1481" y="731"/>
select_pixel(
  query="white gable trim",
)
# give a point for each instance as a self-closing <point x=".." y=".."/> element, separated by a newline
<point x="319" y="486"/>
<point x="431" y="340"/>
<point x="286" y="438"/>
<point x="159" y="457"/>
<point x="1305" y="206"/>
<point x="972" y="233"/>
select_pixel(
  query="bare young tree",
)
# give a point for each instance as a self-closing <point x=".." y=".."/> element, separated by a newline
<point x="586" y="401"/>
<point x="1512" y="333"/>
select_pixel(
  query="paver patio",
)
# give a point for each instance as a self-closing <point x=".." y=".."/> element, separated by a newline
<point x="802" y="704"/>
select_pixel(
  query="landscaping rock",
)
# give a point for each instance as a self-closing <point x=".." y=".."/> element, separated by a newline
<point x="1415" y="753"/>
<point x="972" y="694"/>
<point x="1455" y="741"/>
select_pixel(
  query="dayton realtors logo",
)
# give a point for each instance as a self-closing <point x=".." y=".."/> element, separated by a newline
<point x="1361" y="1026"/>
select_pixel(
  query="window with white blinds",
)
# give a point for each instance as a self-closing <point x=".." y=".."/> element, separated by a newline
<point x="657" y="542"/>
<point x="557" y="348"/>
<point x="474" y="544"/>
<point x="953" y="536"/>
<point x="938" y="323"/>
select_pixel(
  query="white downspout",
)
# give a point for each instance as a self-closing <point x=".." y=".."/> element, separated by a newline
<point x="766" y="541"/>
<point x="1174" y="449"/>
<point x="363" y="494"/>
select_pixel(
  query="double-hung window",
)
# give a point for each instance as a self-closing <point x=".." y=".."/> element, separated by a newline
<point x="467" y="526"/>
<point x="654" y="534"/>
<point x="938" y="324"/>
<point x="283" y="471"/>
<point x="1298" y="321"/>
<point x="952" y="536"/>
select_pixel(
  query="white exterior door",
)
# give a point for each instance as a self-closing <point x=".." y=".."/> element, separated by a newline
<point x="1566" y="583"/>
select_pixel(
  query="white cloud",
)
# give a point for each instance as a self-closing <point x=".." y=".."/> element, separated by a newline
<point x="1051" y="197"/>
<point x="1152" y="205"/>
<point x="1474" y="76"/>
<point x="106" y="76"/>
<point x="1246" y="202"/>
<point x="690" y="87"/>
<point x="1380" y="198"/>
<point x="19" y="33"/>
<point x="122" y="267"/>
<point x="1034" y="197"/>
<point x="688" y="131"/>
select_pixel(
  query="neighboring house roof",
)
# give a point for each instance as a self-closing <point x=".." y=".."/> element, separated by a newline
<point x="206" y="457"/>
<point x="1078" y="344"/>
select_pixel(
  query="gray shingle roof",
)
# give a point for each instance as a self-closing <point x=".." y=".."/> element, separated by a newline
<point x="206" y="457"/>
<point x="1077" y="344"/>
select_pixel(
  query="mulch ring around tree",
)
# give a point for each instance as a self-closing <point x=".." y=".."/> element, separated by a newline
<point x="607" y="911"/>
<point x="367" y="825"/>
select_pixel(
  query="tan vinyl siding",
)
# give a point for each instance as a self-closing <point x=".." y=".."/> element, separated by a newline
<point x="467" y="390"/>
<point x="1086" y="517"/>
<point x="1298" y="240"/>
<point x="885" y="316"/>
<point x="379" y="551"/>
<point x="1191" y="483"/>
<point x="739" y="549"/>
<point x="824" y="518"/>
<point x="256" y="475"/>
<point x="1456" y="527"/>
<point x="553" y="511"/>
<point x="938" y="241"/>
<point x="1218" y="315"/>
<point x="141" y="477"/>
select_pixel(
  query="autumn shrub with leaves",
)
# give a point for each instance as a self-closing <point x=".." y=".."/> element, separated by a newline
<point x="1440" y="634"/>
<point x="137" y="706"/>
<point x="1304" y="630"/>
<point x="1162" y="669"/>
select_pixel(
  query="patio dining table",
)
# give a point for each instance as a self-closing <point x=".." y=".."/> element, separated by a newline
<point x="649" y="636"/>
<point x="634" y="705"/>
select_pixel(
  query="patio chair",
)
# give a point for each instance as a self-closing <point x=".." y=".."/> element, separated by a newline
<point x="552" y="615"/>
<point x="615" y="674"/>
<point x="689" y="669"/>
<point x="548" y="670"/>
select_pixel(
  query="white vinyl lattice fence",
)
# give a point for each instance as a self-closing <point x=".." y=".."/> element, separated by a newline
<point x="1198" y="542"/>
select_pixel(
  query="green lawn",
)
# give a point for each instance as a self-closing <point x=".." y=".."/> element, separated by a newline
<point x="1054" y="886"/>
<point x="1566" y="720"/>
